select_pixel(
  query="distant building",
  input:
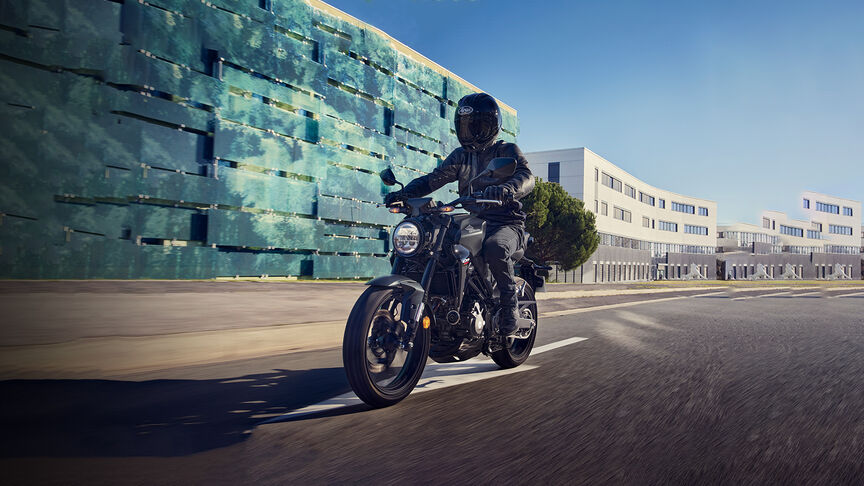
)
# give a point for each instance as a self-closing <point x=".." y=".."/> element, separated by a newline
<point x="823" y="246"/>
<point x="646" y="233"/>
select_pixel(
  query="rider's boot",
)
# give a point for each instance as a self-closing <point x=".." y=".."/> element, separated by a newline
<point x="507" y="324"/>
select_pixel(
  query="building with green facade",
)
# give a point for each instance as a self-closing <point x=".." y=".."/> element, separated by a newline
<point x="190" y="139"/>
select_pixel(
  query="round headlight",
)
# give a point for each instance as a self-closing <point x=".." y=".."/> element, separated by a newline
<point x="406" y="238"/>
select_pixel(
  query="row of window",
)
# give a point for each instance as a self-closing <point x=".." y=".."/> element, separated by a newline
<point x="617" y="185"/>
<point x="657" y="249"/>
<point x="696" y="230"/>
<point x="612" y="182"/>
<point x="746" y="238"/>
<point x="667" y="226"/>
<point x="791" y="230"/>
<point x="621" y="214"/>
<point x="814" y="234"/>
<point x="840" y="230"/>
<point x="683" y="208"/>
<point x="828" y="208"/>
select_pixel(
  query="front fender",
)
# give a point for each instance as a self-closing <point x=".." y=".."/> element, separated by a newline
<point x="412" y="294"/>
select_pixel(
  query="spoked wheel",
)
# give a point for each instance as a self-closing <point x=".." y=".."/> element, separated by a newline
<point x="516" y="350"/>
<point x="379" y="370"/>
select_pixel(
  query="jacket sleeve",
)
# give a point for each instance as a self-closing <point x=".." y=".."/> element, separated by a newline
<point x="445" y="173"/>
<point x="522" y="180"/>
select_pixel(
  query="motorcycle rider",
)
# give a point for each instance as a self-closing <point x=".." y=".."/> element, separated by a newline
<point x="478" y="122"/>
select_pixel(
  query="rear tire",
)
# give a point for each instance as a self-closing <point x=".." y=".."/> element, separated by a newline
<point x="518" y="350"/>
<point x="365" y="364"/>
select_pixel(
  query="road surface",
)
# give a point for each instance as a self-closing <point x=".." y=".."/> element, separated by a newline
<point x="719" y="388"/>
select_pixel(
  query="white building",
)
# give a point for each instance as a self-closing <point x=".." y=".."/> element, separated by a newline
<point x="821" y="246"/>
<point x="646" y="232"/>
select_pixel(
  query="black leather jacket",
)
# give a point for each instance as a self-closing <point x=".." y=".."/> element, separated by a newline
<point x="462" y="165"/>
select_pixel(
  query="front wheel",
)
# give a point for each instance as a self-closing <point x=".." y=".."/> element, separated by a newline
<point x="517" y="351"/>
<point x="380" y="372"/>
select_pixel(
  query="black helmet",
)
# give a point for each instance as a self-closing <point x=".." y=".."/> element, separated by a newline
<point x="478" y="121"/>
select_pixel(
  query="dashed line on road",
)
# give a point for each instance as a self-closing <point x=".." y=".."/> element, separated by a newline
<point x="856" y="294"/>
<point x="567" y="312"/>
<point x="435" y="377"/>
<point x="762" y="295"/>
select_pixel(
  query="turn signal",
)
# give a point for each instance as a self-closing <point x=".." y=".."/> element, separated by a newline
<point x="426" y="322"/>
<point x="447" y="209"/>
<point x="395" y="210"/>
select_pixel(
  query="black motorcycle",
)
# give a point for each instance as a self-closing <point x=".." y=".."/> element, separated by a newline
<point x="438" y="302"/>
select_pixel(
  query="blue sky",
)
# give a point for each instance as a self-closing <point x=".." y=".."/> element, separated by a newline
<point x="746" y="103"/>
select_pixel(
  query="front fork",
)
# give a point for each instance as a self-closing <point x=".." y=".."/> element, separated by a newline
<point x="426" y="282"/>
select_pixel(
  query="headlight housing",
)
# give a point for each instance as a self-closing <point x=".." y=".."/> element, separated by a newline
<point x="407" y="238"/>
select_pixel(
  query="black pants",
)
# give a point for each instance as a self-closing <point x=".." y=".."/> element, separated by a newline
<point x="498" y="248"/>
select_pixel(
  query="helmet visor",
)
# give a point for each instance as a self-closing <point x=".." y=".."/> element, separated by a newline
<point x="476" y="130"/>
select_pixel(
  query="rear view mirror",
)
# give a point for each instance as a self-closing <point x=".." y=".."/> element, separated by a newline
<point x="501" y="167"/>
<point x="388" y="177"/>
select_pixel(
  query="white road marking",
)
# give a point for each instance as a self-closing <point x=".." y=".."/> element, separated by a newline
<point x="567" y="312"/>
<point x="856" y="294"/>
<point x="435" y="376"/>
<point x="559" y="344"/>
<point x="807" y="293"/>
<point x="762" y="295"/>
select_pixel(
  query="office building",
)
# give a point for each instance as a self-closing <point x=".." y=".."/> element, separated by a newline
<point x="824" y="245"/>
<point x="646" y="233"/>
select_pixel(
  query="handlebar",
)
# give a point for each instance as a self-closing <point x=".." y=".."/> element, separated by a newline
<point x="476" y="199"/>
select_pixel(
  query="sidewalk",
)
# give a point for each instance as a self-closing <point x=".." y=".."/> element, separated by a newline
<point x="100" y="328"/>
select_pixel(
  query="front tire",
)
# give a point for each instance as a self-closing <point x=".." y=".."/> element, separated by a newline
<point x="517" y="350"/>
<point x="379" y="372"/>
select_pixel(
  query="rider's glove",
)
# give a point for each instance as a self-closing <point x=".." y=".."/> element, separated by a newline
<point x="499" y="193"/>
<point x="392" y="197"/>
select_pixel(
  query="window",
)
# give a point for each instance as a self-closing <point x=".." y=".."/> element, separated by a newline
<point x="555" y="172"/>
<point x="596" y="207"/>
<point x="814" y="235"/>
<point x="630" y="191"/>
<point x="662" y="204"/>
<point x="645" y="198"/>
<point x="827" y="208"/>
<point x="667" y="226"/>
<point x="604" y="208"/>
<point x="766" y="223"/>
<point x="696" y="230"/>
<point x="703" y="211"/>
<point x="840" y="230"/>
<point x="611" y="182"/>
<point x="646" y="221"/>
<point x="817" y="227"/>
<point x="847" y="211"/>
<point x="622" y="214"/>
<point x="683" y="208"/>
<point x="596" y="174"/>
<point x="806" y="203"/>
<point x="791" y="230"/>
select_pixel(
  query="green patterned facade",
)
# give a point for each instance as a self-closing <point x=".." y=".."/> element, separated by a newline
<point x="190" y="139"/>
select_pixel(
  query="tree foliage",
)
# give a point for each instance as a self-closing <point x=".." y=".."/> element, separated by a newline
<point x="563" y="230"/>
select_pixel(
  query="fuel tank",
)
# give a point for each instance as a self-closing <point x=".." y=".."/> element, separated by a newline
<point x="472" y="230"/>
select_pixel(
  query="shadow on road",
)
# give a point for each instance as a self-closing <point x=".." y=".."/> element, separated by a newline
<point x="89" y="418"/>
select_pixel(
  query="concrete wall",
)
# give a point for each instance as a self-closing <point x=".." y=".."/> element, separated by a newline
<point x="189" y="139"/>
<point x="813" y="266"/>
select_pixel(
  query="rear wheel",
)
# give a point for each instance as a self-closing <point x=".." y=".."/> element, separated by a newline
<point x="517" y="351"/>
<point x="380" y="372"/>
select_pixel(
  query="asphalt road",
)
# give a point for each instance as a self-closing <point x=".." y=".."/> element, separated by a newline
<point x="756" y="388"/>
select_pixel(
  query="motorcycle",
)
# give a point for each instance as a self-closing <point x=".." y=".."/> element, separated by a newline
<point x="439" y="301"/>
